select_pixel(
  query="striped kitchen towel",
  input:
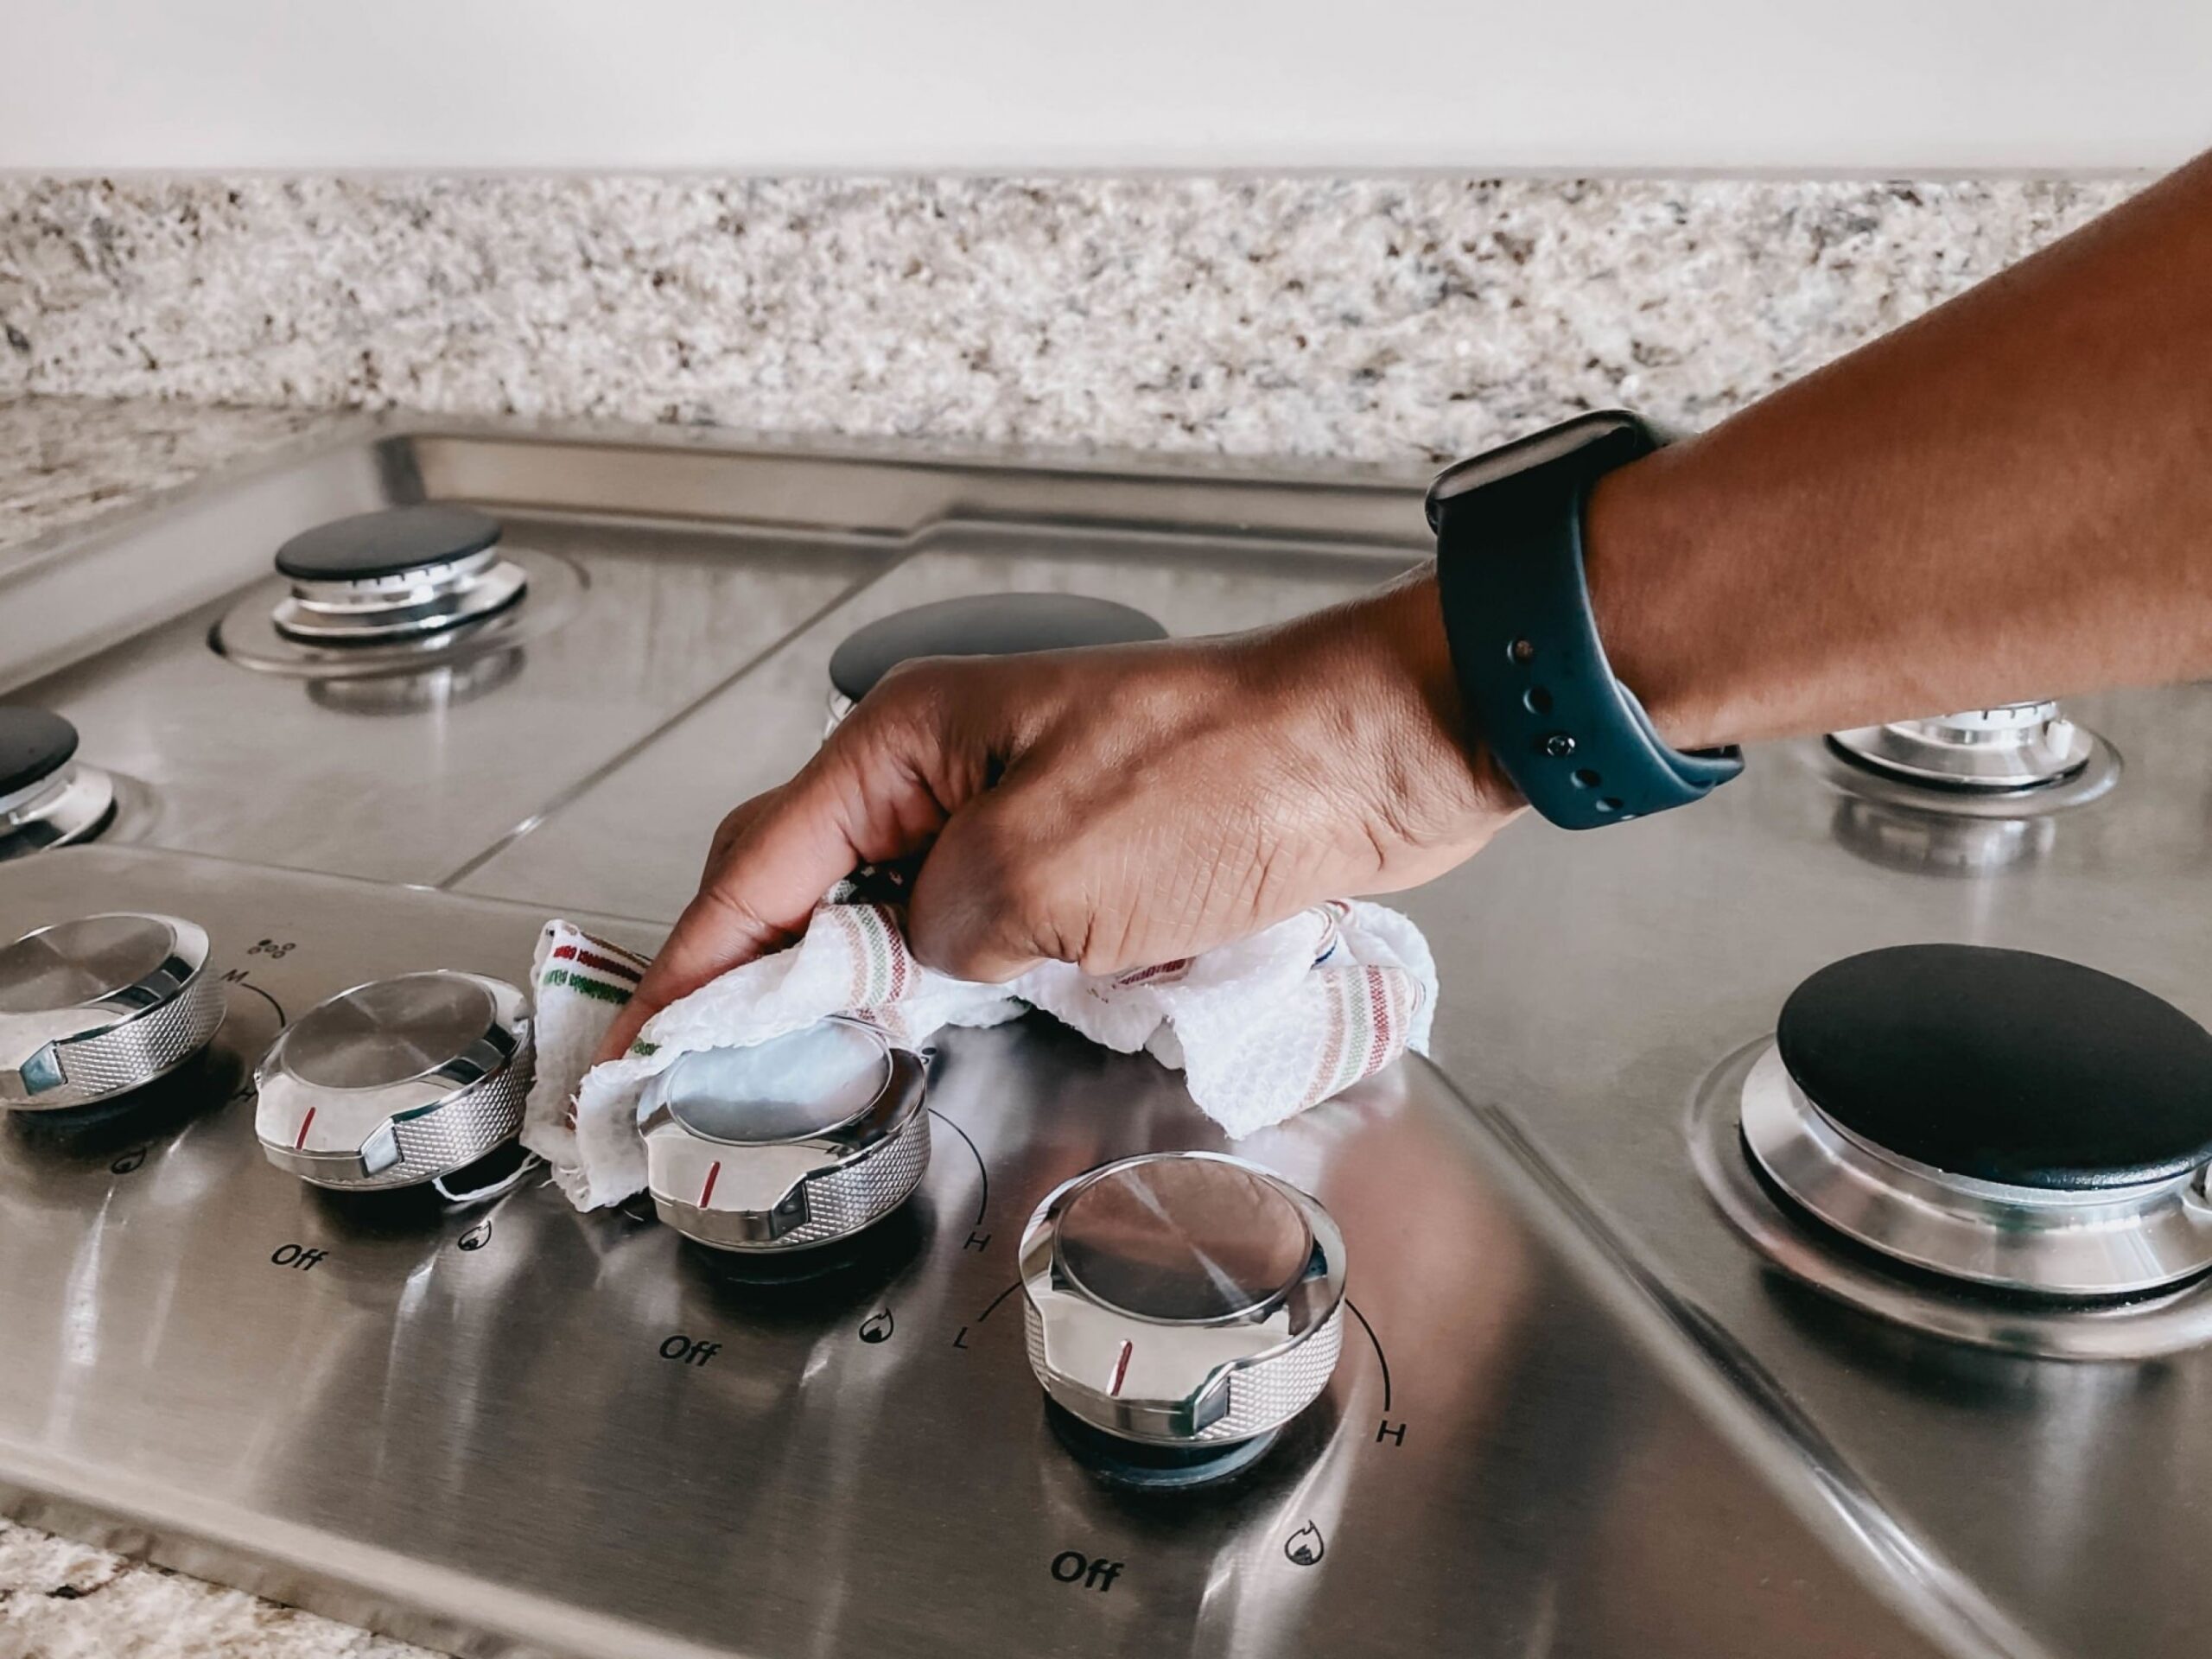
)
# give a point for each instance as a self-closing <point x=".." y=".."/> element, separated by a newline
<point x="1261" y="1029"/>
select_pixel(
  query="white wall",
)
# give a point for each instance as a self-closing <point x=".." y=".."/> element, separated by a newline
<point x="1887" y="85"/>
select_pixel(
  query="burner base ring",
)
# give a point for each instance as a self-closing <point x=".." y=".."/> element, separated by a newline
<point x="1815" y="1256"/>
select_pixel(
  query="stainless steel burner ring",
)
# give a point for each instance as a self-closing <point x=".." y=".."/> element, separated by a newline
<point x="1815" y="1254"/>
<point x="74" y="805"/>
<point x="2013" y="745"/>
<point x="2115" y="1241"/>
<point x="403" y="604"/>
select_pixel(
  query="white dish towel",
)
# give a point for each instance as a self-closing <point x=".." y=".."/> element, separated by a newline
<point x="1262" y="1029"/>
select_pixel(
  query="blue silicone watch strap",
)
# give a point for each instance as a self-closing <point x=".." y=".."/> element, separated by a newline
<point x="1524" y="642"/>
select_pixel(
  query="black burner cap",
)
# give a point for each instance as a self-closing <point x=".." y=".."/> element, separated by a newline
<point x="986" y="625"/>
<point x="33" y="745"/>
<point x="2003" y="1065"/>
<point x="373" y="544"/>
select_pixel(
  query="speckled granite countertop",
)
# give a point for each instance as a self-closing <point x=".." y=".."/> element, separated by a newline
<point x="66" y="461"/>
<point x="1362" y="319"/>
<point x="60" y="1600"/>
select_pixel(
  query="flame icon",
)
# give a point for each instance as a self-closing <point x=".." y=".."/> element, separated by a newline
<point x="477" y="1236"/>
<point x="129" y="1161"/>
<point x="1305" y="1548"/>
<point x="877" y="1328"/>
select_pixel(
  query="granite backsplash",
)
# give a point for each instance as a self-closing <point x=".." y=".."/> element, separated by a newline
<point x="1380" y="320"/>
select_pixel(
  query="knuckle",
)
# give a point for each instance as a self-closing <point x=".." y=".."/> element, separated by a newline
<point x="729" y="911"/>
<point x="918" y="691"/>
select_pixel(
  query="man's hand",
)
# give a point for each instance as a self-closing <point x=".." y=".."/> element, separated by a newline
<point x="1115" y="807"/>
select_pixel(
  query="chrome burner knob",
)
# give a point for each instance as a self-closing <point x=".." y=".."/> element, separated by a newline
<point x="402" y="573"/>
<point x="48" y="798"/>
<point x="95" y="1007"/>
<point x="398" y="1081"/>
<point x="798" y="1142"/>
<point x="2013" y="745"/>
<point x="1183" y="1299"/>
<point x="979" y="625"/>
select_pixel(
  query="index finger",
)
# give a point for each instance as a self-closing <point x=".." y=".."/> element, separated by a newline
<point x="881" y="789"/>
<point x="755" y="899"/>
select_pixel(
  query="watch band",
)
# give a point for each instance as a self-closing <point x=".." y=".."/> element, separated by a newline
<point x="1524" y="645"/>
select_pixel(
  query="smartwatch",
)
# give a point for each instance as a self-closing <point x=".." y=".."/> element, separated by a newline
<point x="1532" y="672"/>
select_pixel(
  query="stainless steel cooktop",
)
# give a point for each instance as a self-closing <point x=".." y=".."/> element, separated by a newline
<point x="1602" y="1387"/>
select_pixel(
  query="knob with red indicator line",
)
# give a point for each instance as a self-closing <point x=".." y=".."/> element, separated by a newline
<point x="803" y="1140"/>
<point x="397" y="1082"/>
<point x="1182" y="1300"/>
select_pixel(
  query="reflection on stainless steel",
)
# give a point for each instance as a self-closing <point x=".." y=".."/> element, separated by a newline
<point x="98" y="1005"/>
<point x="398" y="1081"/>
<point x="419" y="692"/>
<point x="355" y="1399"/>
<point x="796" y="1142"/>
<point x="1921" y="842"/>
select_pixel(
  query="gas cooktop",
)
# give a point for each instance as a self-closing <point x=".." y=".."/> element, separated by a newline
<point x="1799" y="1243"/>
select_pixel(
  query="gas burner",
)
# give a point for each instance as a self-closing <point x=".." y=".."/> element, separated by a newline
<point x="406" y="594"/>
<point x="394" y="575"/>
<point x="47" y="799"/>
<point x="2006" y="1119"/>
<point x="983" y="625"/>
<point x="2012" y="747"/>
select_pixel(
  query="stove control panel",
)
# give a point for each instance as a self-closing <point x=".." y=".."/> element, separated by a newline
<point x="1181" y="1308"/>
<point x="791" y="1145"/>
<point x="398" y="1081"/>
<point x="95" y="1007"/>
<point x="306" y="1295"/>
